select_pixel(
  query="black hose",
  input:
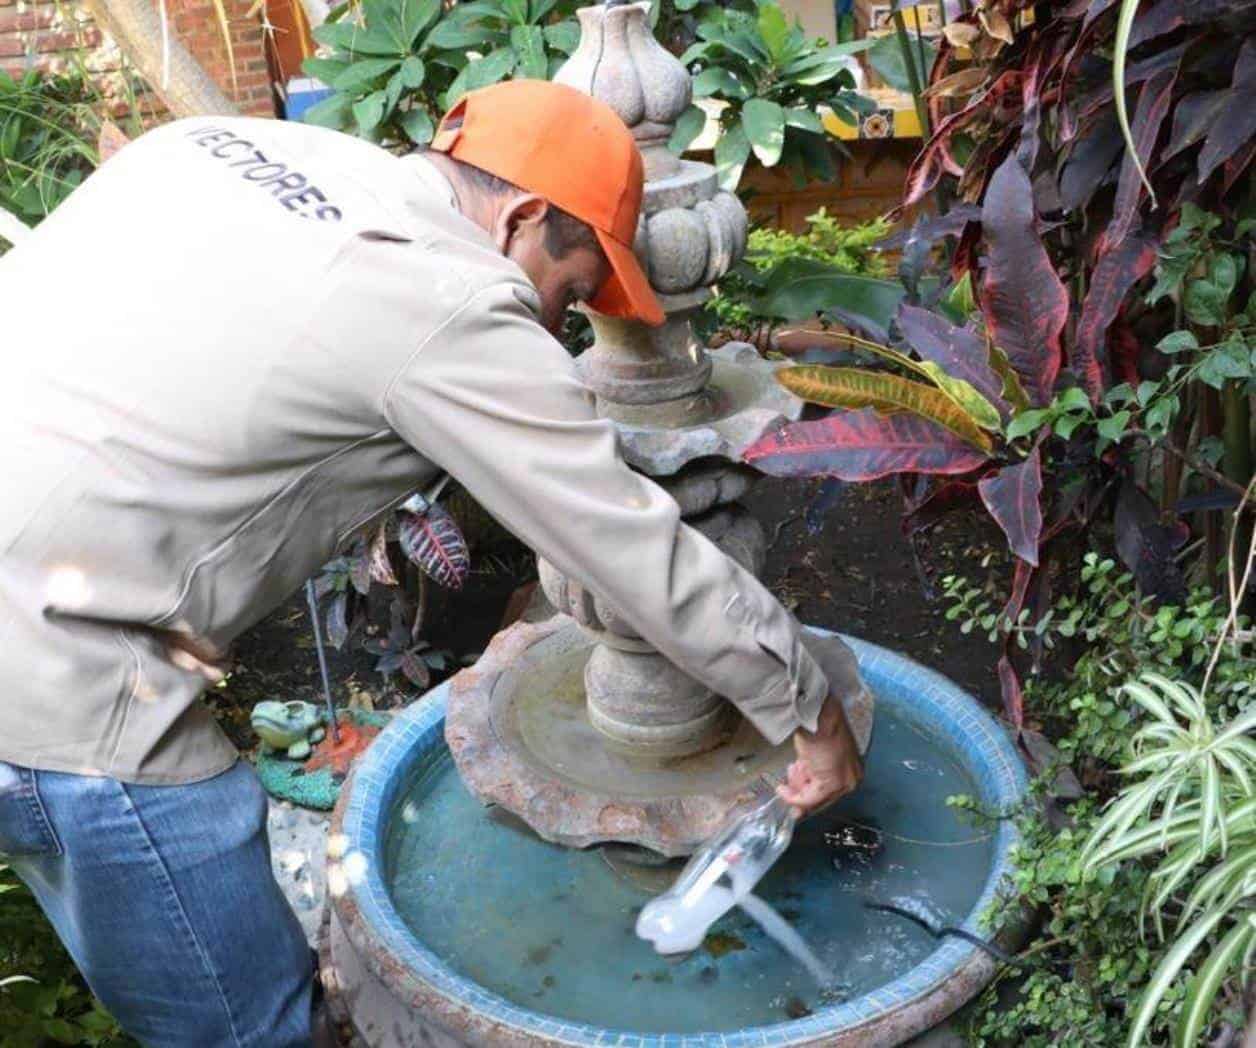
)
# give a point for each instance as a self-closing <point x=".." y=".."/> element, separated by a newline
<point x="959" y="933"/>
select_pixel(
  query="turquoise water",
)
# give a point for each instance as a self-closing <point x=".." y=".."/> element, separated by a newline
<point x="552" y="929"/>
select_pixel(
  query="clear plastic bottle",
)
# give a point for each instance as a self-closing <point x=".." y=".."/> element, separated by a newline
<point x="719" y="875"/>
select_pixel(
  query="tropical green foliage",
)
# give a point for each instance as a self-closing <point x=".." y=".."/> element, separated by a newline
<point x="1148" y="882"/>
<point x="42" y="997"/>
<point x="771" y="79"/>
<point x="827" y="242"/>
<point x="48" y="129"/>
<point x="395" y="67"/>
<point x="1088" y="960"/>
<point x="1061" y="278"/>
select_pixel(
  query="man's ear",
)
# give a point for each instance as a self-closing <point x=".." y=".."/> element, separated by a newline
<point x="521" y="214"/>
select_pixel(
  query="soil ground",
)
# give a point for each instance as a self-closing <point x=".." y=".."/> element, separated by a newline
<point x="855" y="573"/>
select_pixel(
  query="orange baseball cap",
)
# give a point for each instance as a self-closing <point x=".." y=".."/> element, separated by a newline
<point x="575" y="152"/>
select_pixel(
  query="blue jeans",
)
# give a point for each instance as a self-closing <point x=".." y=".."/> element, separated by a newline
<point x="164" y="897"/>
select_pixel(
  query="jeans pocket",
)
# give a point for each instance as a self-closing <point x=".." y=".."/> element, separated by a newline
<point x="24" y="825"/>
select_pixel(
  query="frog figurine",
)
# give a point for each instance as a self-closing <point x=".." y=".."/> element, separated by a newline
<point x="293" y="727"/>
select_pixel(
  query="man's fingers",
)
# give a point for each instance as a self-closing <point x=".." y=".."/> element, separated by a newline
<point x="790" y="797"/>
<point x="798" y="776"/>
<point x="806" y="797"/>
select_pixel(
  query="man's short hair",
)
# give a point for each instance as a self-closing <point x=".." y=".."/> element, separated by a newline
<point x="563" y="232"/>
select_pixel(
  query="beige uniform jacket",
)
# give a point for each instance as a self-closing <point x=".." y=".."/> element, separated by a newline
<point x="237" y="343"/>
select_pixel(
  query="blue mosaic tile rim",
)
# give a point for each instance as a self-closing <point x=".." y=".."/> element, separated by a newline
<point x="917" y="694"/>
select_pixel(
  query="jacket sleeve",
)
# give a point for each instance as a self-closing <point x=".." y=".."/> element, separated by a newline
<point x="495" y="401"/>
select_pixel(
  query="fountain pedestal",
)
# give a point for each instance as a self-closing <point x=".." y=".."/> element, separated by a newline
<point x="624" y="746"/>
<point x="521" y="734"/>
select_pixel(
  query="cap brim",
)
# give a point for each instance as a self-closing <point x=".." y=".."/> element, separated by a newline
<point x="627" y="292"/>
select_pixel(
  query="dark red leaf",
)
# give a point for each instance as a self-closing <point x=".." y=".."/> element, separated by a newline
<point x="1083" y="47"/>
<point x="1234" y="127"/>
<point x="1075" y="8"/>
<point x="1135" y="73"/>
<point x="927" y="168"/>
<point x="961" y="353"/>
<point x="337" y="621"/>
<point x="933" y="228"/>
<point x="1013" y="696"/>
<point x="862" y="445"/>
<point x="1147" y="546"/>
<point x="1036" y="67"/>
<point x="1153" y="105"/>
<point x="1192" y="117"/>
<point x="1158" y="20"/>
<point x="1090" y="162"/>
<point x="1122" y="266"/>
<point x="1012" y="496"/>
<point x="413" y="666"/>
<point x="1237" y="164"/>
<point x="1068" y="499"/>
<point x="380" y="566"/>
<point x="1096" y="8"/>
<point x="1021" y="579"/>
<point x="1024" y="302"/>
<point x="360" y="570"/>
<point x="1123" y="352"/>
<point x="949" y="496"/>
<point x="1009" y="681"/>
<point x="1227" y="12"/>
<point x="434" y="542"/>
<point x="389" y="663"/>
<point x="965" y="260"/>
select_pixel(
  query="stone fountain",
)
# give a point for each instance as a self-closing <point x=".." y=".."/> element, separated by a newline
<point x="594" y="736"/>
<point x="454" y="926"/>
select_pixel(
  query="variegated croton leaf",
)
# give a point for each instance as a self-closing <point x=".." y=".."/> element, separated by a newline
<point x="434" y="542"/>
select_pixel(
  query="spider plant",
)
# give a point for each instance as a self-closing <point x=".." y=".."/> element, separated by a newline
<point x="1195" y="806"/>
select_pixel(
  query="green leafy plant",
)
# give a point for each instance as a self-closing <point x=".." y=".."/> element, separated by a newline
<point x="771" y="79"/>
<point x="1192" y="804"/>
<point x="387" y="67"/>
<point x="48" y="128"/>
<point x="395" y="67"/>
<point x="1147" y="868"/>
<point x="1089" y="960"/>
<point x="42" y="997"/>
<point x="526" y="39"/>
<point x="1165" y="690"/>
<point x="827" y="241"/>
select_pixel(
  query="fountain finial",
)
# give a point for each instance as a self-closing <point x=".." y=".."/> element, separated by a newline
<point x="619" y="62"/>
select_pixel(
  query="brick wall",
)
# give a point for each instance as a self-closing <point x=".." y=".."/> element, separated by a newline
<point x="52" y="33"/>
<point x="196" y="23"/>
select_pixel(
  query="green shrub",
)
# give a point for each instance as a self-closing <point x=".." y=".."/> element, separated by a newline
<point x="849" y="249"/>
<point x="396" y="67"/>
<point x="48" y="129"/>
<point x="43" y="999"/>
<point x="771" y="79"/>
<point x="1107" y="934"/>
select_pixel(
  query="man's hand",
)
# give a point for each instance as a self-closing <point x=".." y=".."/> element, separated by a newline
<point x="828" y="765"/>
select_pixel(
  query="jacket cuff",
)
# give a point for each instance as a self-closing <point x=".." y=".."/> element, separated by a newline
<point x="794" y="700"/>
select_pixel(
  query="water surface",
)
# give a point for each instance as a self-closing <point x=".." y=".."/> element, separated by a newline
<point x="552" y="929"/>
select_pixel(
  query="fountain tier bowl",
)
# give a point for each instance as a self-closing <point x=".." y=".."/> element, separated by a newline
<point x="452" y="926"/>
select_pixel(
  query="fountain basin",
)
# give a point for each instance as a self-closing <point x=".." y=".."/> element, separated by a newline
<point x="397" y="988"/>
